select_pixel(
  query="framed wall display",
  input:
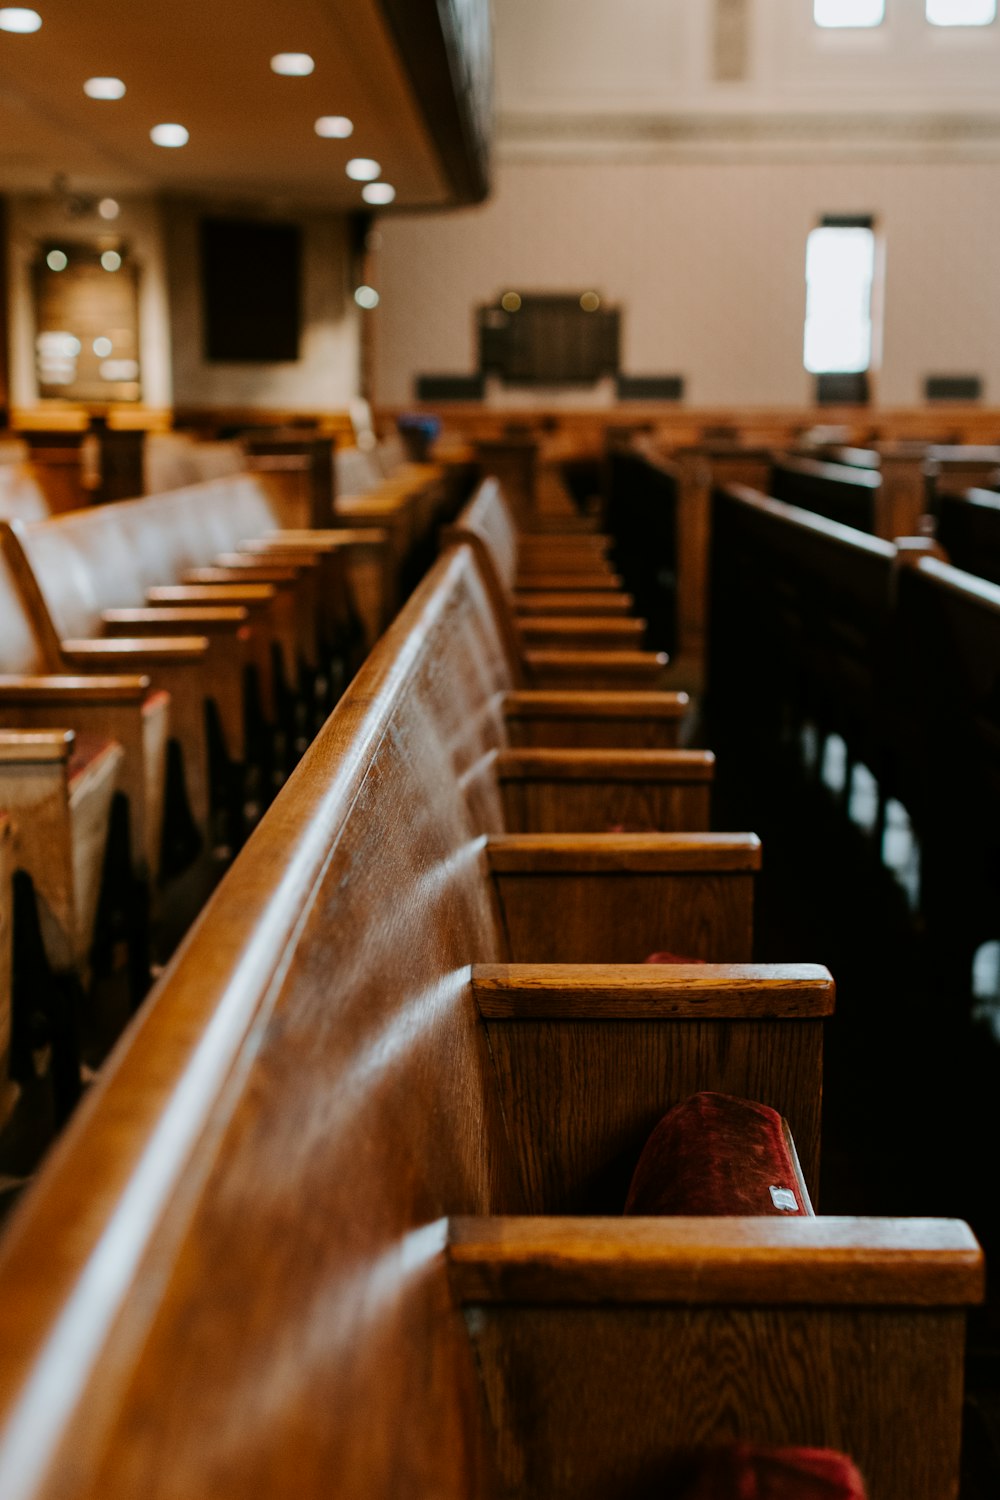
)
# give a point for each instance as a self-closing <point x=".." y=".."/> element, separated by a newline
<point x="86" y="322"/>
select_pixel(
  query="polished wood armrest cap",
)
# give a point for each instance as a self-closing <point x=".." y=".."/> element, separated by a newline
<point x="616" y="765"/>
<point x="18" y="746"/>
<point x="69" y="690"/>
<point x="570" y="704"/>
<point x="603" y="853"/>
<point x="615" y="992"/>
<point x="207" y="615"/>
<point x="205" y="593"/>
<point x="155" y="650"/>
<point x="778" y="1261"/>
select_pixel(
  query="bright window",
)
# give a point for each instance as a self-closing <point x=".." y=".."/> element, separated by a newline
<point x="840" y="266"/>
<point x="961" y="12"/>
<point x="848" y="12"/>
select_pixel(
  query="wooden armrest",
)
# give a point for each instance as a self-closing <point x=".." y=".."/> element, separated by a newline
<point x="222" y="575"/>
<point x="592" y="705"/>
<point x="581" y="660"/>
<point x="257" y="563"/>
<point x="620" y="992"/>
<point x="204" y="593"/>
<point x="69" y="690"/>
<point x="573" y="603"/>
<point x="733" y="1261"/>
<point x="35" y="746"/>
<point x="637" y="853"/>
<point x="139" y="650"/>
<point x="605" y="765"/>
<point x="208" y="618"/>
<point x="336" y="539"/>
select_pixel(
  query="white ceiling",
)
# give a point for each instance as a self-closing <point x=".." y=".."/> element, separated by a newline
<point x="206" y="64"/>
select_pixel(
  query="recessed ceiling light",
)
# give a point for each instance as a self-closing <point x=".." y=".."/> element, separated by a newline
<point x="57" y="260"/>
<point x="378" y="192"/>
<point x="169" y="135"/>
<point x="363" y="169"/>
<point x="292" y="64"/>
<point x="108" y="208"/>
<point x="111" y="260"/>
<point x="102" y="347"/>
<point x="16" y="18"/>
<point x="366" y="297"/>
<point x="104" y="88"/>
<point x="334" y="127"/>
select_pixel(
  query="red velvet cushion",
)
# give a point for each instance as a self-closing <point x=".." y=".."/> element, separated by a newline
<point x="713" y="1154"/>
<point x="744" y="1473"/>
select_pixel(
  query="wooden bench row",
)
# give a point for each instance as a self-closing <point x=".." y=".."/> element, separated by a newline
<point x="893" y="650"/>
<point x="347" y="1201"/>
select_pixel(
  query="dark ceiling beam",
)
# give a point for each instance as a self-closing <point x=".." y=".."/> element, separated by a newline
<point x="446" y="48"/>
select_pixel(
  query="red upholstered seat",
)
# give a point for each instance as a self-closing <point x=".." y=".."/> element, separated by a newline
<point x="745" y="1473"/>
<point x="716" y="1155"/>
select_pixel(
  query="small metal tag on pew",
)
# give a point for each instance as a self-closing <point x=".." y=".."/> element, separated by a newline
<point x="784" y="1198"/>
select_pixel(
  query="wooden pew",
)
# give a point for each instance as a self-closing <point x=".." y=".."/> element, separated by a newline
<point x="37" y="692"/>
<point x="312" y="1096"/>
<point x="57" y="792"/>
<point x="839" y="492"/>
<point x="47" y="566"/>
<point x="947" y="671"/>
<point x="487" y="526"/>
<point x="802" y="627"/>
<point x="8" y="1087"/>
<point x="22" y="497"/>
<point x="968" y="528"/>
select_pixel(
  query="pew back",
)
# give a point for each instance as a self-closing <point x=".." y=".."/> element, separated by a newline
<point x="837" y="491"/>
<point x="244" y="1226"/>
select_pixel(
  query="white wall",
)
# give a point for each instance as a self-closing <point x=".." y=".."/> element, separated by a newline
<point x="34" y="220"/>
<point x="707" y="263"/>
<point x="629" y="165"/>
<point x="326" y="373"/>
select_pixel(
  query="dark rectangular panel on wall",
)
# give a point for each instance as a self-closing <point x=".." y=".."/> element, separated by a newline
<point x="842" y="389"/>
<point x="650" y="388"/>
<point x="953" y="388"/>
<point x="450" y="387"/>
<point x="251" y="279"/>
<point x="549" y="339"/>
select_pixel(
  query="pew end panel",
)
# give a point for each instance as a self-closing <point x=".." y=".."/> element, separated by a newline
<point x="589" y="1058"/>
<point x="60" y="809"/>
<point x="8" y="1088"/>
<point x="621" y="897"/>
<point x="608" y="720"/>
<point x="177" y="665"/>
<point x="606" y="1348"/>
<point x="227" y="632"/>
<point x="588" y="791"/>
<point x="118" y="708"/>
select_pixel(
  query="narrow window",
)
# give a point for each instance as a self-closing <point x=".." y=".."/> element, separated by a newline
<point x="849" y="12"/>
<point x="961" y="12"/>
<point x="840" y="268"/>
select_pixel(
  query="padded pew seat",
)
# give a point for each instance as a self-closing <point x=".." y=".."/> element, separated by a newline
<point x="750" y="1473"/>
